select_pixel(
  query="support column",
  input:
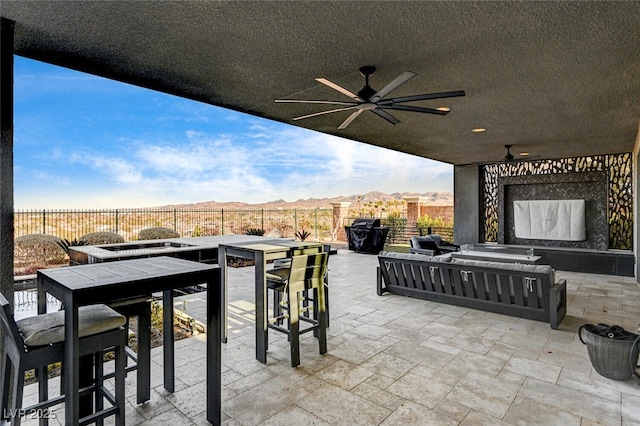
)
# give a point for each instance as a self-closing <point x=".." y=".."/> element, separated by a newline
<point x="340" y="212"/>
<point x="468" y="205"/>
<point x="413" y="210"/>
<point x="6" y="162"/>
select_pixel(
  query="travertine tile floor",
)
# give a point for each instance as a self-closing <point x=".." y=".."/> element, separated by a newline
<point x="399" y="361"/>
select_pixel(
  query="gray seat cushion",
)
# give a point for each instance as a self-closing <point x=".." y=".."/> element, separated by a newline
<point x="48" y="328"/>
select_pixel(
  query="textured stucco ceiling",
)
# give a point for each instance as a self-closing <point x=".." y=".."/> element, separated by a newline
<point x="556" y="79"/>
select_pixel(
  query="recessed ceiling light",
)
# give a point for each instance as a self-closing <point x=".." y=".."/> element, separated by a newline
<point x="445" y="109"/>
<point x="479" y="130"/>
<point x="524" y="154"/>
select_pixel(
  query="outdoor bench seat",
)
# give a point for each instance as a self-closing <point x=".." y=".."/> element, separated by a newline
<point x="525" y="291"/>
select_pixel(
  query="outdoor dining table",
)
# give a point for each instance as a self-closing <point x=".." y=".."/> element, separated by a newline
<point x="81" y="285"/>
<point x="260" y="253"/>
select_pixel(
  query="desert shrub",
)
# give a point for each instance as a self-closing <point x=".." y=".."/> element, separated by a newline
<point x="204" y="231"/>
<point x="255" y="231"/>
<point x="95" y="238"/>
<point x="29" y="269"/>
<point x="157" y="233"/>
<point x="38" y="249"/>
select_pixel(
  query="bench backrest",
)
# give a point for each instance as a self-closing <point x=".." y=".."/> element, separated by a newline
<point x="511" y="284"/>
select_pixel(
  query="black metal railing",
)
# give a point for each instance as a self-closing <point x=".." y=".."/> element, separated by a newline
<point x="72" y="224"/>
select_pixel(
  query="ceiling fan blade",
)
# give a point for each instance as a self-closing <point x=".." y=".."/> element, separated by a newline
<point x="390" y="118"/>
<point x="323" y="112"/>
<point x="423" y="97"/>
<point x="300" y="101"/>
<point x="403" y="78"/>
<point x="349" y="119"/>
<point x="414" y="109"/>
<point x="339" y="89"/>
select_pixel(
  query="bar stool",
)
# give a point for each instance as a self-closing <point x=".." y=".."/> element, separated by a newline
<point x="281" y="267"/>
<point x="305" y="273"/>
<point x="139" y="307"/>
<point x="35" y="342"/>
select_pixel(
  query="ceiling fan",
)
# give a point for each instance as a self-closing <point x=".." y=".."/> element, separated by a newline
<point x="508" y="157"/>
<point x="368" y="99"/>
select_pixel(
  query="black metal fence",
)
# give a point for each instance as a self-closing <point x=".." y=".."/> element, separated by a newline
<point x="72" y="224"/>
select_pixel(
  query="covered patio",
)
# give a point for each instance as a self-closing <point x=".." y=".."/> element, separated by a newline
<point x="394" y="360"/>
<point x="557" y="80"/>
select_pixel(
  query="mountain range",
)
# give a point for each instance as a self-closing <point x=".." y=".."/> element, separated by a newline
<point x="432" y="199"/>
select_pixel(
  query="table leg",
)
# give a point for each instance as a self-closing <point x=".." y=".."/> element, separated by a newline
<point x="262" y="334"/>
<point x="143" y="371"/>
<point x="42" y="297"/>
<point x="168" y="340"/>
<point x="215" y="309"/>
<point x="222" y="256"/>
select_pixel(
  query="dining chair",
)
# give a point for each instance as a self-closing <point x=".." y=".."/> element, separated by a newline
<point x="34" y="343"/>
<point x="305" y="273"/>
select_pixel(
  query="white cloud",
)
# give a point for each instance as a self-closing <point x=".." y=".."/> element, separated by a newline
<point x="294" y="164"/>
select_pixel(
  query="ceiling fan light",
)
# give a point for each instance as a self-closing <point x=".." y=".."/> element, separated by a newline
<point x="479" y="130"/>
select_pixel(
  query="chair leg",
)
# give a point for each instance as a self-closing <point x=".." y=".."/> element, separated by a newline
<point x="98" y="383"/>
<point x="43" y="389"/>
<point x="322" y="318"/>
<point x="294" y="328"/>
<point x="6" y="383"/>
<point x="121" y="361"/>
<point x="18" y="387"/>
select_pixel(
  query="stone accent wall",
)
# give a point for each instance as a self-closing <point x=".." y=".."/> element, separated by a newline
<point x="618" y="173"/>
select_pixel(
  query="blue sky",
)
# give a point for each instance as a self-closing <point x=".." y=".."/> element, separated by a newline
<point x="82" y="141"/>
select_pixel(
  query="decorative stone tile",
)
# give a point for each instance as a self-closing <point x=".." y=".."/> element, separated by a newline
<point x="378" y="396"/>
<point x="525" y="411"/>
<point x="539" y="370"/>
<point x="415" y="414"/>
<point x="294" y="416"/>
<point x="388" y="365"/>
<point x="344" y="374"/>
<point x="573" y="401"/>
<point x="418" y="389"/>
<point x="485" y="393"/>
<point x="339" y="407"/>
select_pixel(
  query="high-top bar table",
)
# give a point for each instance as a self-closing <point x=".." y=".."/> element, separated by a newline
<point x="105" y="282"/>
<point x="260" y="253"/>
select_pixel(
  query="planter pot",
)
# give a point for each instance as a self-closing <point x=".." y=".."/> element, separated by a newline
<point x="612" y="350"/>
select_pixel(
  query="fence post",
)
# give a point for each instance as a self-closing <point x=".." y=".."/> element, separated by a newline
<point x="262" y="219"/>
<point x="222" y="222"/>
<point x="44" y="221"/>
<point x="117" y="223"/>
<point x="295" y="220"/>
<point x="316" y="222"/>
<point x="175" y="220"/>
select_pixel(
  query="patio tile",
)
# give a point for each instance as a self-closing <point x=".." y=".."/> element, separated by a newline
<point x="415" y="414"/>
<point x="344" y="374"/>
<point x="525" y="411"/>
<point x="339" y="407"/>
<point x="485" y="393"/>
<point x="394" y="360"/>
